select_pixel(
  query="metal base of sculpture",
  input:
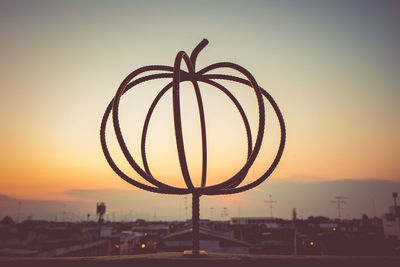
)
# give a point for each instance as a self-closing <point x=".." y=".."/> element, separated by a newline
<point x="195" y="254"/>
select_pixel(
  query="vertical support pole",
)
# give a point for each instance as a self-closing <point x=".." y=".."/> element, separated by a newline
<point x="196" y="221"/>
<point x="195" y="252"/>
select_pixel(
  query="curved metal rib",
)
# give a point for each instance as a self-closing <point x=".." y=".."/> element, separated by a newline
<point x="213" y="83"/>
<point x="161" y="188"/>
<point x="178" y="120"/>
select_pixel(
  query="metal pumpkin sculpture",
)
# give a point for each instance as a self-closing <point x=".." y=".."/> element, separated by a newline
<point x="230" y="185"/>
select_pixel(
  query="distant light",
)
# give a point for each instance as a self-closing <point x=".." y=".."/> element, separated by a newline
<point x="312" y="243"/>
<point x="116" y="245"/>
<point x="334" y="229"/>
<point x="143" y="245"/>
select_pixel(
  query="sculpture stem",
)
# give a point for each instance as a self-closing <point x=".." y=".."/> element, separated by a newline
<point x="196" y="52"/>
<point x="196" y="221"/>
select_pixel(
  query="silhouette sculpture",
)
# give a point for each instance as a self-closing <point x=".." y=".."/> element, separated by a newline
<point x="231" y="185"/>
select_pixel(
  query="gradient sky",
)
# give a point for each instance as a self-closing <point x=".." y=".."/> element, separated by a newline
<point x="331" y="66"/>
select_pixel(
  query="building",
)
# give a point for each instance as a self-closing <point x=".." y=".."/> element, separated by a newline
<point x="391" y="223"/>
<point x="253" y="220"/>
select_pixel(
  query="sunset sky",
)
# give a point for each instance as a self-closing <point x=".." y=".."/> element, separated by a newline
<point x="332" y="67"/>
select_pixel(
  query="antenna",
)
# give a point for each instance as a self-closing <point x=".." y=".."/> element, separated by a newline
<point x="63" y="214"/>
<point x="339" y="201"/>
<point x="224" y="213"/>
<point x="271" y="202"/>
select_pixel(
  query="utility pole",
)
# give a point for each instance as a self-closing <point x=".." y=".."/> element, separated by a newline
<point x="339" y="201"/>
<point x="271" y="202"/>
<point x="186" y="209"/>
<point x="373" y="207"/>
<point x="224" y="213"/>
<point x="63" y="214"/>
<point x="295" y="232"/>
<point x="179" y="210"/>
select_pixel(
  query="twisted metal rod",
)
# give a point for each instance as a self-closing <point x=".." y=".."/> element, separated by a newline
<point x="196" y="221"/>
